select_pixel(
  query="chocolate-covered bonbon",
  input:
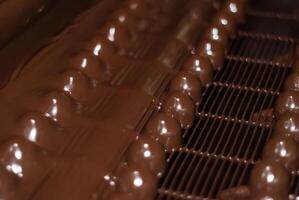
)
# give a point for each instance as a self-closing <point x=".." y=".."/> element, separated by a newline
<point x="138" y="8"/>
<point x="213" y="50"/>
<point x="117" y="34"/>
<point x="147" y="151"/>
<point x="225" y="21"/>
<point x="236" y="8"/>
<point x="292" y="82"/>
<point x="39" y="129"/>
<point x="181" y="107"/>
<point x="200" y="66"/>
<point x="75" y="84"/>
<point x="186" y="83"/>
<point x="126" y="19"/>
<point x="88" y="63"/>
<point x="284" y="150"/>
<point x="166" y="130"/>
<point x="24" y="159"/>
<point x="288" y="100"/>
<point x="138" y="180"/>
<point x="288" y="124"/>
<point x="102" y="48"/>
<point x="216" y="33"/>
<point x="269" y="177"/>
<point x="265" y="196"/>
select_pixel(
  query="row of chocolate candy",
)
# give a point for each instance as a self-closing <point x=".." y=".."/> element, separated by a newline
<point x="146" y="160"/>
<point x="270" y="179"/>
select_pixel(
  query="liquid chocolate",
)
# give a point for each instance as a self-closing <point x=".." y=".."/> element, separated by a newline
<point x="284" y="150"/>
<point x="188" y="84"/>
<point x="146" y="150"/>
<point x="165" y="130"/>
<point x="180" y="107"/>
<point x="269" y="178"/>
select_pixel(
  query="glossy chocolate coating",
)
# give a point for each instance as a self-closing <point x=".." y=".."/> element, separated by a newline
<point x="216" y="33"/>
<point x="236" y="8"/>
<point x="292" y="82"/>
<point x="166" y="130"/>
<point x="117" y="34"/>
<point x="57" y="106"/>
<point x="8" y="183"/>
<point x="89" y="65"/>
<point x="200" y="66"/>
<point x="225" y="21"/>
<point x="23" y="159"/>
<point x="287" y="101"/>
<point x="147" y="151"/>
<point x="138" y="180"/>
<point x="38" y="129"/>
<point x="187" y="83"/>
<point x="126" y="19"/>
<point x="137" y="7"/>
<point x="288" y="124"/>
<point x="180" y="107"/>
<point x="265" y="196"/>
<point x="271" y="178"/>
<point x="75" y="84"/>
<point x="214" y="51"/>
<point x="120" y="196"/>
<point x="102" y="48"/>
<point x="284" y="150"/>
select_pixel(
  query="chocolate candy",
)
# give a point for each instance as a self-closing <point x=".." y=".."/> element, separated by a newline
<point x="292" y="82"/>
<point x="288" y="124"/>
<point x="225" y="21"/>
<point x="214" y="51"/>
<point x="166" y="130"/>
<point x="138" y="180"/>
<point x="75" y="84"/>
<point x="187" y="83"/>
<point x="147" y="151"/>
<point x="236" y="8"/>
<point x="271" y="178"/>
<point x="25" y="160"/>
<point x="137" y="8"/>
<point x="216" y="33"/>
<point x="89" y="65"/>
<point x="287" y="101"/>
<point x="179" y="106"/>
<point x="126" y="19"/>
<point x="117" y="34"/>
<point x="39" y="130"/>
<point x="102" y="48"/>
<point x="201" y="67"/>
<point x="283" y="149"/>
